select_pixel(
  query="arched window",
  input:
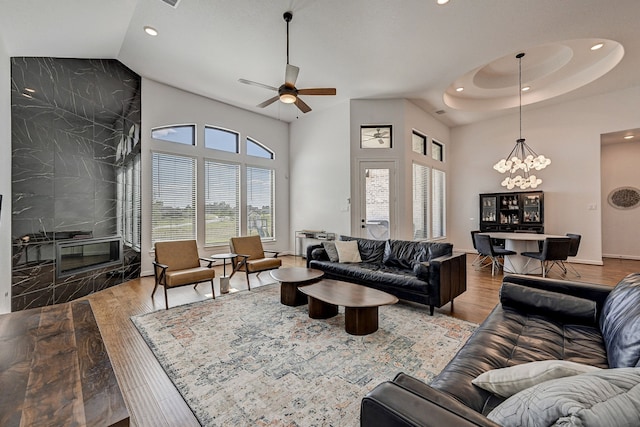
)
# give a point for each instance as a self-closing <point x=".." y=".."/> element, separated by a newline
<point x="221" y="139"/>
<point x="254" y="148"/>
<point x="181" y="134"/>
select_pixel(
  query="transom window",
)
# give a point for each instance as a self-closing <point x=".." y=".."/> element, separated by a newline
<point x="183" y="134"/>
<point x="254" y="148"/>
<point x="437" y="150"/>
<point x="221" y="139"/>
<point x="419" y="143"/>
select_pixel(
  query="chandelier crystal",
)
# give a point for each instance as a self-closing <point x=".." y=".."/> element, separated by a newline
<point x="522" y="160"/>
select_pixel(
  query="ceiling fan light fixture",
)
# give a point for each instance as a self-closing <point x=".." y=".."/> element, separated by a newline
<point x="288" y="98"/>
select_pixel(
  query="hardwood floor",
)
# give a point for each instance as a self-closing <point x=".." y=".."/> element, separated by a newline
<point x="150" y="396"/>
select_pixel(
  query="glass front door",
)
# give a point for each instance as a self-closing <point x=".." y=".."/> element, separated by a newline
<point x="377" y="200"/>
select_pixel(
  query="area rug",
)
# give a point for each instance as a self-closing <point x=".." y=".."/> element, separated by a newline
<point x="246" y="359"/>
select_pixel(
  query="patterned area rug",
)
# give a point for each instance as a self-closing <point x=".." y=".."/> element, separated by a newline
<point x="246" y="359"/>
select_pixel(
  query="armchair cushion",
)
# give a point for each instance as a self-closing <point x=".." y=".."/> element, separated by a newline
<point x="255" y="265"/>
<point x="188" y="276"/>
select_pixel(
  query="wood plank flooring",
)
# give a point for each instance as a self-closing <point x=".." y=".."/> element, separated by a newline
<point x="150" y="396"/>
<point x="54" y="369"/>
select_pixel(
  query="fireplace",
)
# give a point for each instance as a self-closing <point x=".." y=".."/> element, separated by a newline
<point x="75" y="256"/>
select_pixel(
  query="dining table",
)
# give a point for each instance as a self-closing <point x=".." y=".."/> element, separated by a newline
<point x="520" y="242"/>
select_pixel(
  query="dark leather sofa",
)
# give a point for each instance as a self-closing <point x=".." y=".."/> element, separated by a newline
<point x="537" y="319"/>
<point x="424" y="272"/>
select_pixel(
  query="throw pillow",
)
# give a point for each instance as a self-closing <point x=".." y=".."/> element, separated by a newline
<point x="348" y="251"/>
<point x="609" y="397"/>
<point x="620" y="321"/>
<point x="332" y="252"/>
<point x="506" y="382"/>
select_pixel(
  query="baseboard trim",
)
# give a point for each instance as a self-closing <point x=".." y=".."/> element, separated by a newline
<point x="617" y="256"/>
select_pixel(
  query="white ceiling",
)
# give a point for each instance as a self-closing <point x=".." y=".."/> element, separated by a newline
<point x="367" y="49"/>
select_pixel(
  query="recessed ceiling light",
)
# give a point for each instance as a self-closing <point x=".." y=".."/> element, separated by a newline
<point x="628" y="137"/>
<point x="442" y="1"/>
<point x="526" y="88"/>
<point x="27" y="95"/>
<point x="459" y="89"/>
<point x="150" y="30"/>
<point x="28" y="89"/>
<point x="597" y="46"/>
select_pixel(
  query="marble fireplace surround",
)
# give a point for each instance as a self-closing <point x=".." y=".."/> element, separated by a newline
<point x="75" y="128"/>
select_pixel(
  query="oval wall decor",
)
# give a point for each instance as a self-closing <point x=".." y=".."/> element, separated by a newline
<point x="624" y="198"/>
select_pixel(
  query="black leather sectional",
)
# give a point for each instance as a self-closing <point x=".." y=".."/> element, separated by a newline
<point x="537" y="319"/>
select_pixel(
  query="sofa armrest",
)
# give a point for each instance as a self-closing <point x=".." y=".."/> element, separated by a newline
<point x="447" y="278"/>
<point x="403" y="403"/>
<point x="316" y="252"/>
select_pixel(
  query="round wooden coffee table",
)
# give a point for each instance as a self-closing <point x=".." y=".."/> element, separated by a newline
<point x="290" y="279"/>
<point x="360" y="304"/>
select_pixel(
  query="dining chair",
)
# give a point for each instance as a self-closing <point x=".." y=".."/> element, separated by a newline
<point x="177" y="263"/>
<point x="573" y="251"/>
<point x="554" y="251"/>
<point x="480" y="259"/>
<point x="486" y="248"/>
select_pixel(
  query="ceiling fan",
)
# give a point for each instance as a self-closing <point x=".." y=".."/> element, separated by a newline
<point x="287" y="92"/>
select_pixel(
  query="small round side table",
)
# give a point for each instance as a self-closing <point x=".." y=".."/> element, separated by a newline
<point x="224" y="279"/>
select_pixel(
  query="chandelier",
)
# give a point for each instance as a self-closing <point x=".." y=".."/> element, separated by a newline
<point x="522" y="160"/>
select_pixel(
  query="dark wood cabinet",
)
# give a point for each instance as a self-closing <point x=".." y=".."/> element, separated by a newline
<point x="515" y="211"/>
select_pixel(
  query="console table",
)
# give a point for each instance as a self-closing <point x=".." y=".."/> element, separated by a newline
<point x="55" y="369"/>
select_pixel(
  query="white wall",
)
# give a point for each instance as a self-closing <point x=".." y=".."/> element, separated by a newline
<point x="620" y="228"/>
<point x="320" y="174"/>
<point x="569" y="134"/>
<point x="164" y="105"/>
<point x="5" y="180"/>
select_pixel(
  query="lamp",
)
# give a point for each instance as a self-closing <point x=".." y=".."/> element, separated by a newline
<point x="522" y="157"/>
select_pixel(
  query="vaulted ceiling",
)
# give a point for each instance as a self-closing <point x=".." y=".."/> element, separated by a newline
<point x="366" y="49"/>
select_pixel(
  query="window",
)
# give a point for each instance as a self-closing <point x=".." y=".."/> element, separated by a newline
<point x="221" y="139"/>
<point x="129" y="201"/>
<point x="437" y="150"/>
<point x="254" y="148"/>
<point x="173" y="215"/>
<point x="419" y="143"/>
<point x="420" y="201"/>
<point x="260" y="202"/>
<point x="180" y="134"/>
<point x="221" y="202"/>
<point x="438" y="211"/>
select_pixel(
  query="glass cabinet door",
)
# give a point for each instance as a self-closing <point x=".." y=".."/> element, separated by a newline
<point x="532" y="209"/>
<point x="489" y="212"/>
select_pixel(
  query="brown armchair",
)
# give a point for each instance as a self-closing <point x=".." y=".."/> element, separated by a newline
<point x="178" y="264"/>
<point x="251" y="256"/>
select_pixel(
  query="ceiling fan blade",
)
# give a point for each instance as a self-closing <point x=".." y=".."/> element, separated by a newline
<point x="318" y="91"/>
<point x="268" y="102"/>
<point x="252" y="83"/>
<point x="302" y="105"/>
<point x="291" y="75"/>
